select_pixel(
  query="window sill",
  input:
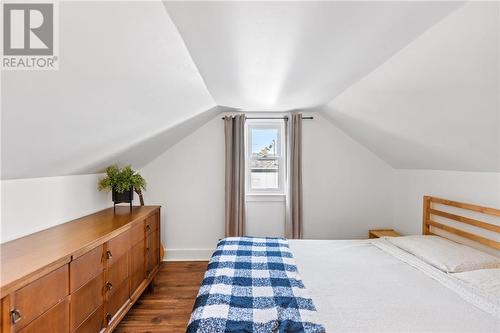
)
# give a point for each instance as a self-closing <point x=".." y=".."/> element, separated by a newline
<point x="253" y="197"/>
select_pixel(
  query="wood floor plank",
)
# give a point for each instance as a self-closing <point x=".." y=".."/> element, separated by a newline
<point x="168" y="308"/>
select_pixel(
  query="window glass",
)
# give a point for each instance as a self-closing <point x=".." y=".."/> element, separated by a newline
<point x="264" y="158"/>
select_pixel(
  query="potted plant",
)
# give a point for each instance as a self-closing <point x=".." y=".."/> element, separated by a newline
<point x="123" y="183"/>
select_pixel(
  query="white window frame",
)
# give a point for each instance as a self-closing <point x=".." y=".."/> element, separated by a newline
<point x="280" y="145"/>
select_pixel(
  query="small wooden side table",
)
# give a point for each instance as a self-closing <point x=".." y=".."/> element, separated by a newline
<point x="377" y="233"/>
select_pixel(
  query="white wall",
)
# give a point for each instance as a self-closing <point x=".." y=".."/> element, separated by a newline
<point x="265" y="216"/>
<point x="188" y="181"/>
<point x="31" y="205"/>
<point x="482" y="188"/>
<point x="347" y="190"/>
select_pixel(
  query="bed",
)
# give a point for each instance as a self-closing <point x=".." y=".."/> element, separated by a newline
<point x="397" y="284"/>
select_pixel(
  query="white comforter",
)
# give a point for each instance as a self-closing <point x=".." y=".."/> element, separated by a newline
<point x="358" y="287"/>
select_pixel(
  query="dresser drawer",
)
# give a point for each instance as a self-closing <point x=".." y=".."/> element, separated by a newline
<point x="117" y="273"/>
<point x="56" y="320"/>
<point x="86" y="300"/>
<point x="94" y="323"/>
<point x="152" y="251"/>
<point x="116" y="300"/>
<point x="39" y="296"/>
<point x="86" y="267"/>
<point x="137" y="265"/>
<point x="151" y="223"/>
<point x="117" y="247"/>
<point x="137" y="233"/>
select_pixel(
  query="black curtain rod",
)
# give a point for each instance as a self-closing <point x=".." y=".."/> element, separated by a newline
<point x="285" y="118"/>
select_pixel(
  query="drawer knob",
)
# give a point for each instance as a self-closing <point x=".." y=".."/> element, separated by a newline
<point x="148" y="227"/>
<point x="108" y="318"/>
<point x="109" y="285"/>
<point x="109" y="255"/>
<point x="15" y="316"/>
<point x="148" y="272"/>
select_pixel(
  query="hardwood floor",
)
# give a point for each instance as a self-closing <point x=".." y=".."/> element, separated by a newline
<point x="168" y="307"/>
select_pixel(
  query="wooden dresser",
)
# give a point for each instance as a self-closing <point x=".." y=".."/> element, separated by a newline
<point x="82" y="276"/>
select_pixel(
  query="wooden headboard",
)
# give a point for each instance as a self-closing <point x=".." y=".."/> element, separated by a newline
<point x="429" y="222"/>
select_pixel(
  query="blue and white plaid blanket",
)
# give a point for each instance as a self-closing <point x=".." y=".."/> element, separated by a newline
<point x="252" y="285"/>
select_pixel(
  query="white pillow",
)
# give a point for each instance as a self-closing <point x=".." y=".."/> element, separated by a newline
<point x="485" y="279"/>
<point x="444" y="254"/>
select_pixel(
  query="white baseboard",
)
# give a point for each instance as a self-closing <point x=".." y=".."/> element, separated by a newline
<point x="187" y="254"/>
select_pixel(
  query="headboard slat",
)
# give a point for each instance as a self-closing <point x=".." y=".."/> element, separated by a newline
<point x="465" y="234"/>
<point x="466" y="206"/>
<point x="467" y="220"/>
<point x="428" y="223"/>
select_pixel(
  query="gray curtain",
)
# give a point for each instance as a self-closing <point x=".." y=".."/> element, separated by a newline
<point x="234" y="127"/>
<point x="293" y="224"/>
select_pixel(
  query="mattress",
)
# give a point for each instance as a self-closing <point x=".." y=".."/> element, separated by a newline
<point x="358" y="287"/>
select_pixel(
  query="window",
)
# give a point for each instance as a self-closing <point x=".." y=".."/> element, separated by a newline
<point x="265" y="162"/>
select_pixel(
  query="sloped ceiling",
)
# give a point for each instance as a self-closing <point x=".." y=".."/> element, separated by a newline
<point x="125" y="79"/>
<point x="436" y="103"/>
<point x="415" y="82"/>
<point x="290" y="55"/>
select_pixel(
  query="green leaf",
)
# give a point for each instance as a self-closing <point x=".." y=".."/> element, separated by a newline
<point x="121" y="179"/>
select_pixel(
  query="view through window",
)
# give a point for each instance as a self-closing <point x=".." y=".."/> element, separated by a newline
<point x="265" y="159"/>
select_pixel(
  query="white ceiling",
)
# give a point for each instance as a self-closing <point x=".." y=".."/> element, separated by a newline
<point x="415" y="82"/>
<point x="125" y="77"/>
<point x="436" y="103"/>
<point x="292" y="55"/>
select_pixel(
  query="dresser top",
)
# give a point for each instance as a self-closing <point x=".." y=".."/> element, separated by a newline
<point x="24" y="259"/>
